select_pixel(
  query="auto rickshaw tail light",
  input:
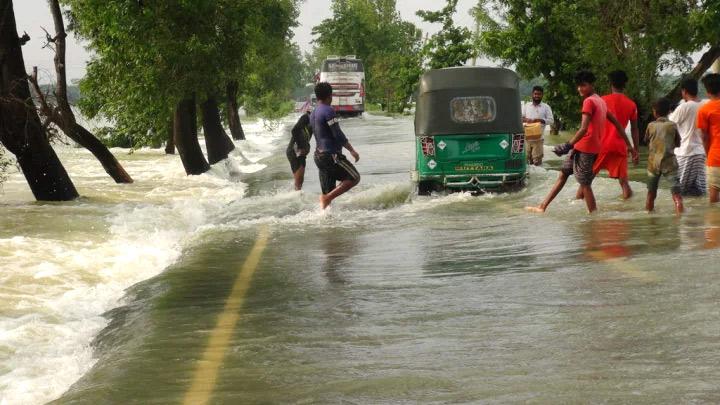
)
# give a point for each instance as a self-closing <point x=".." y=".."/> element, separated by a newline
<point x="518" y="144"/>
<point x="428" y="145"/>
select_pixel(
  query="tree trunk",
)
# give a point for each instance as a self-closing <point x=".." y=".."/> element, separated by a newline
<point x="706" y="61"/>
<point x="233" y="114"/>
<point x="218" y="144"/>
<point x="64" y="117"/>
<point x="186" y="140"/>
<point x="21" y="131"/>
<point x="170" y="145"/>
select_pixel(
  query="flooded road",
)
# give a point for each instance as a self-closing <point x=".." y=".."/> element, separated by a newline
<point x="228" y="288"/>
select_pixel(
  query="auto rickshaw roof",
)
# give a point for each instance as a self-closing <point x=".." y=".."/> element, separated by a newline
<point x="468" y="100"/>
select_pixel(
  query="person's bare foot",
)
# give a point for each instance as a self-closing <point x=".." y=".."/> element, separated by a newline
<point x="537" y="210"/>
<point x="324" y="201"/>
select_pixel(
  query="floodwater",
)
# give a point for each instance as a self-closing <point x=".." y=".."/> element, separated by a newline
<point x="228" y="288"/>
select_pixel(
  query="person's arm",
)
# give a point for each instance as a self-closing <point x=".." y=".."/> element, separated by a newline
<point x="549" y="117"/>
<point x="352" y="151"/>
<point x="525" y="119"/>
<point x="341" y="138"/>
<point x="677" y="138"/>
<point x="584" y="125"/>
<point x="703" y="127"/>
<point x="635" y="132"/>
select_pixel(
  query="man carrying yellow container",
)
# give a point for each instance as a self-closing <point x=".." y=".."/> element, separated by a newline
<point x="536" y="117"/>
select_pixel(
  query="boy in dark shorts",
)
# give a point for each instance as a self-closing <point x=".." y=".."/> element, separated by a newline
<point x="584" y="147"/>
<point x="299" y="148"/>
<point x="332" y="164"/>
<point x="662" y="137"/>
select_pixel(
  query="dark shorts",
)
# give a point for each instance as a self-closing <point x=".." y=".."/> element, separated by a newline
<point x="333" y="168"/>
<point x="580" y="164"/>
<point x="296" y="162"/>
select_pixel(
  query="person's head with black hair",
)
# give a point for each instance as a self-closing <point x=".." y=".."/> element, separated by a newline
<point x="323" y="92"/>
<point x="537" y="94"/>
<point x="618" y="79"/>
<point x="661" y="107"/>
<point x="712" y="84"/>
<point x="585" y="82"/>
<point x="689" y="88"/>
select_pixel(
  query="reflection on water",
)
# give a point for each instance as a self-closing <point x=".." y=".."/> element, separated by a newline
<point x="387" y="298"/>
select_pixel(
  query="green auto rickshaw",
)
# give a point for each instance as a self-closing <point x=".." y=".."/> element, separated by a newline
<point x="469" y="131"/>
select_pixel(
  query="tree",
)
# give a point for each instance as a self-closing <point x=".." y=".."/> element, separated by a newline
<point x="62" y="114"/>
<point x="553" y="40"/>
<point x="20" y="129"/>
<point x="452" y="45"/>
<point x="151" y="57"/>
<point x="373" y="31"/>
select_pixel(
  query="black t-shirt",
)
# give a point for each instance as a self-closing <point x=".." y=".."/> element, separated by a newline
<point x="301" y="134"/>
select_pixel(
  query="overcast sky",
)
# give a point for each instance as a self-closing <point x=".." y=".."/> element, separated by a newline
<point x="32" y="15"/>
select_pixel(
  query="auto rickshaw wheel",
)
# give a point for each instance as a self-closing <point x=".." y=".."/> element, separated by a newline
<point x="425" y="187"/>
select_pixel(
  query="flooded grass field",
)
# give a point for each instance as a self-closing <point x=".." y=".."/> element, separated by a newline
<point x="229" y="288"/>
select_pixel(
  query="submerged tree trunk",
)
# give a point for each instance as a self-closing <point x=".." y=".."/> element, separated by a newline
<point x="170" y="145"/>
<point x="218" y="144"/>
<point x="21" y="131"/>
<point x="64" y="117"/>
<point x="232" y="111"/>
<point x="186" y="140"/>
<point x="706" y="61"/>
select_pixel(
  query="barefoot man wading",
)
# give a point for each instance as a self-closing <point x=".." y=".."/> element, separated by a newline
<point x="332" y="165"/>
<point x="584" y="147"/>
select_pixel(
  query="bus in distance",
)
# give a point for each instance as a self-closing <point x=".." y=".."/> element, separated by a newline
<point x="346" y="75"/>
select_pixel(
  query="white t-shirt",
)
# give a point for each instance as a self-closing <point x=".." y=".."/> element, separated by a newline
<point x="541" y="111"/>
<point x="685" y="116"/>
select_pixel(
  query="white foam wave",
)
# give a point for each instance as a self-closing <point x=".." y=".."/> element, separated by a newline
<point x="55" y="288"/>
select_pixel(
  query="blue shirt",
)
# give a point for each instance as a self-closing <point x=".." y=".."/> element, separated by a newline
<point x="328" y="135"/>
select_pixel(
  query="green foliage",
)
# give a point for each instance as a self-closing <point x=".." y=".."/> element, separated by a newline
<point x="373" y="31"/>
<point x="554" y="39"/>
<point x="452" y="45"/>
<point x="150" y="55"/>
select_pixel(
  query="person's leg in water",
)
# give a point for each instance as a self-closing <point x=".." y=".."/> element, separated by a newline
<point x="342" y="188"/>
<point x="714" y="194"/>
<point x="678" y="200"/>
<point x="299" y="176"/>
<point x="339" y="169"/>
<point x="676" y="191"/>
<point x="626" y="190"/>
<point x="589" y="197"/>
<point x="653" y="183"/>
<point x="559" y="184"/>
<point x="712" y="184"/>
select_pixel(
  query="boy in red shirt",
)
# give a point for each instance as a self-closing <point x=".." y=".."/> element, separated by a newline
<point x="614" y="151"/>
<point x="708" y="121"/>
<point x="584" y="147"/>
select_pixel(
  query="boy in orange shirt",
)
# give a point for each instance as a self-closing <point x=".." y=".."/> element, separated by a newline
<point x="708" y="121"/>
<point x="614" y="154"/>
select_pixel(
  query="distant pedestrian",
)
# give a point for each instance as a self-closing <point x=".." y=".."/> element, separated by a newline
<point x="708" y="120"/>
<point x="662" y="137"/>
<point x="691" y="153"/>
<point x="584" y="147"/>
<point x="332" y="164"/>
<point x="299" y="148"/>
<point x="613" y="155"/>
<point x="536" y="117"/>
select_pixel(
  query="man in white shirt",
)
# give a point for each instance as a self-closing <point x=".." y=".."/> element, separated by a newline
<point x="536" y="112"/>
<point x="691" y="153"/>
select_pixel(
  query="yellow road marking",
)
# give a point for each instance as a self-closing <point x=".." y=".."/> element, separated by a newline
<point x="206" y="374"/>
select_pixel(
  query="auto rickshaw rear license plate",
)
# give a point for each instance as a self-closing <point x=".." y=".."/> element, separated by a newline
<point x="474" y="167"/>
